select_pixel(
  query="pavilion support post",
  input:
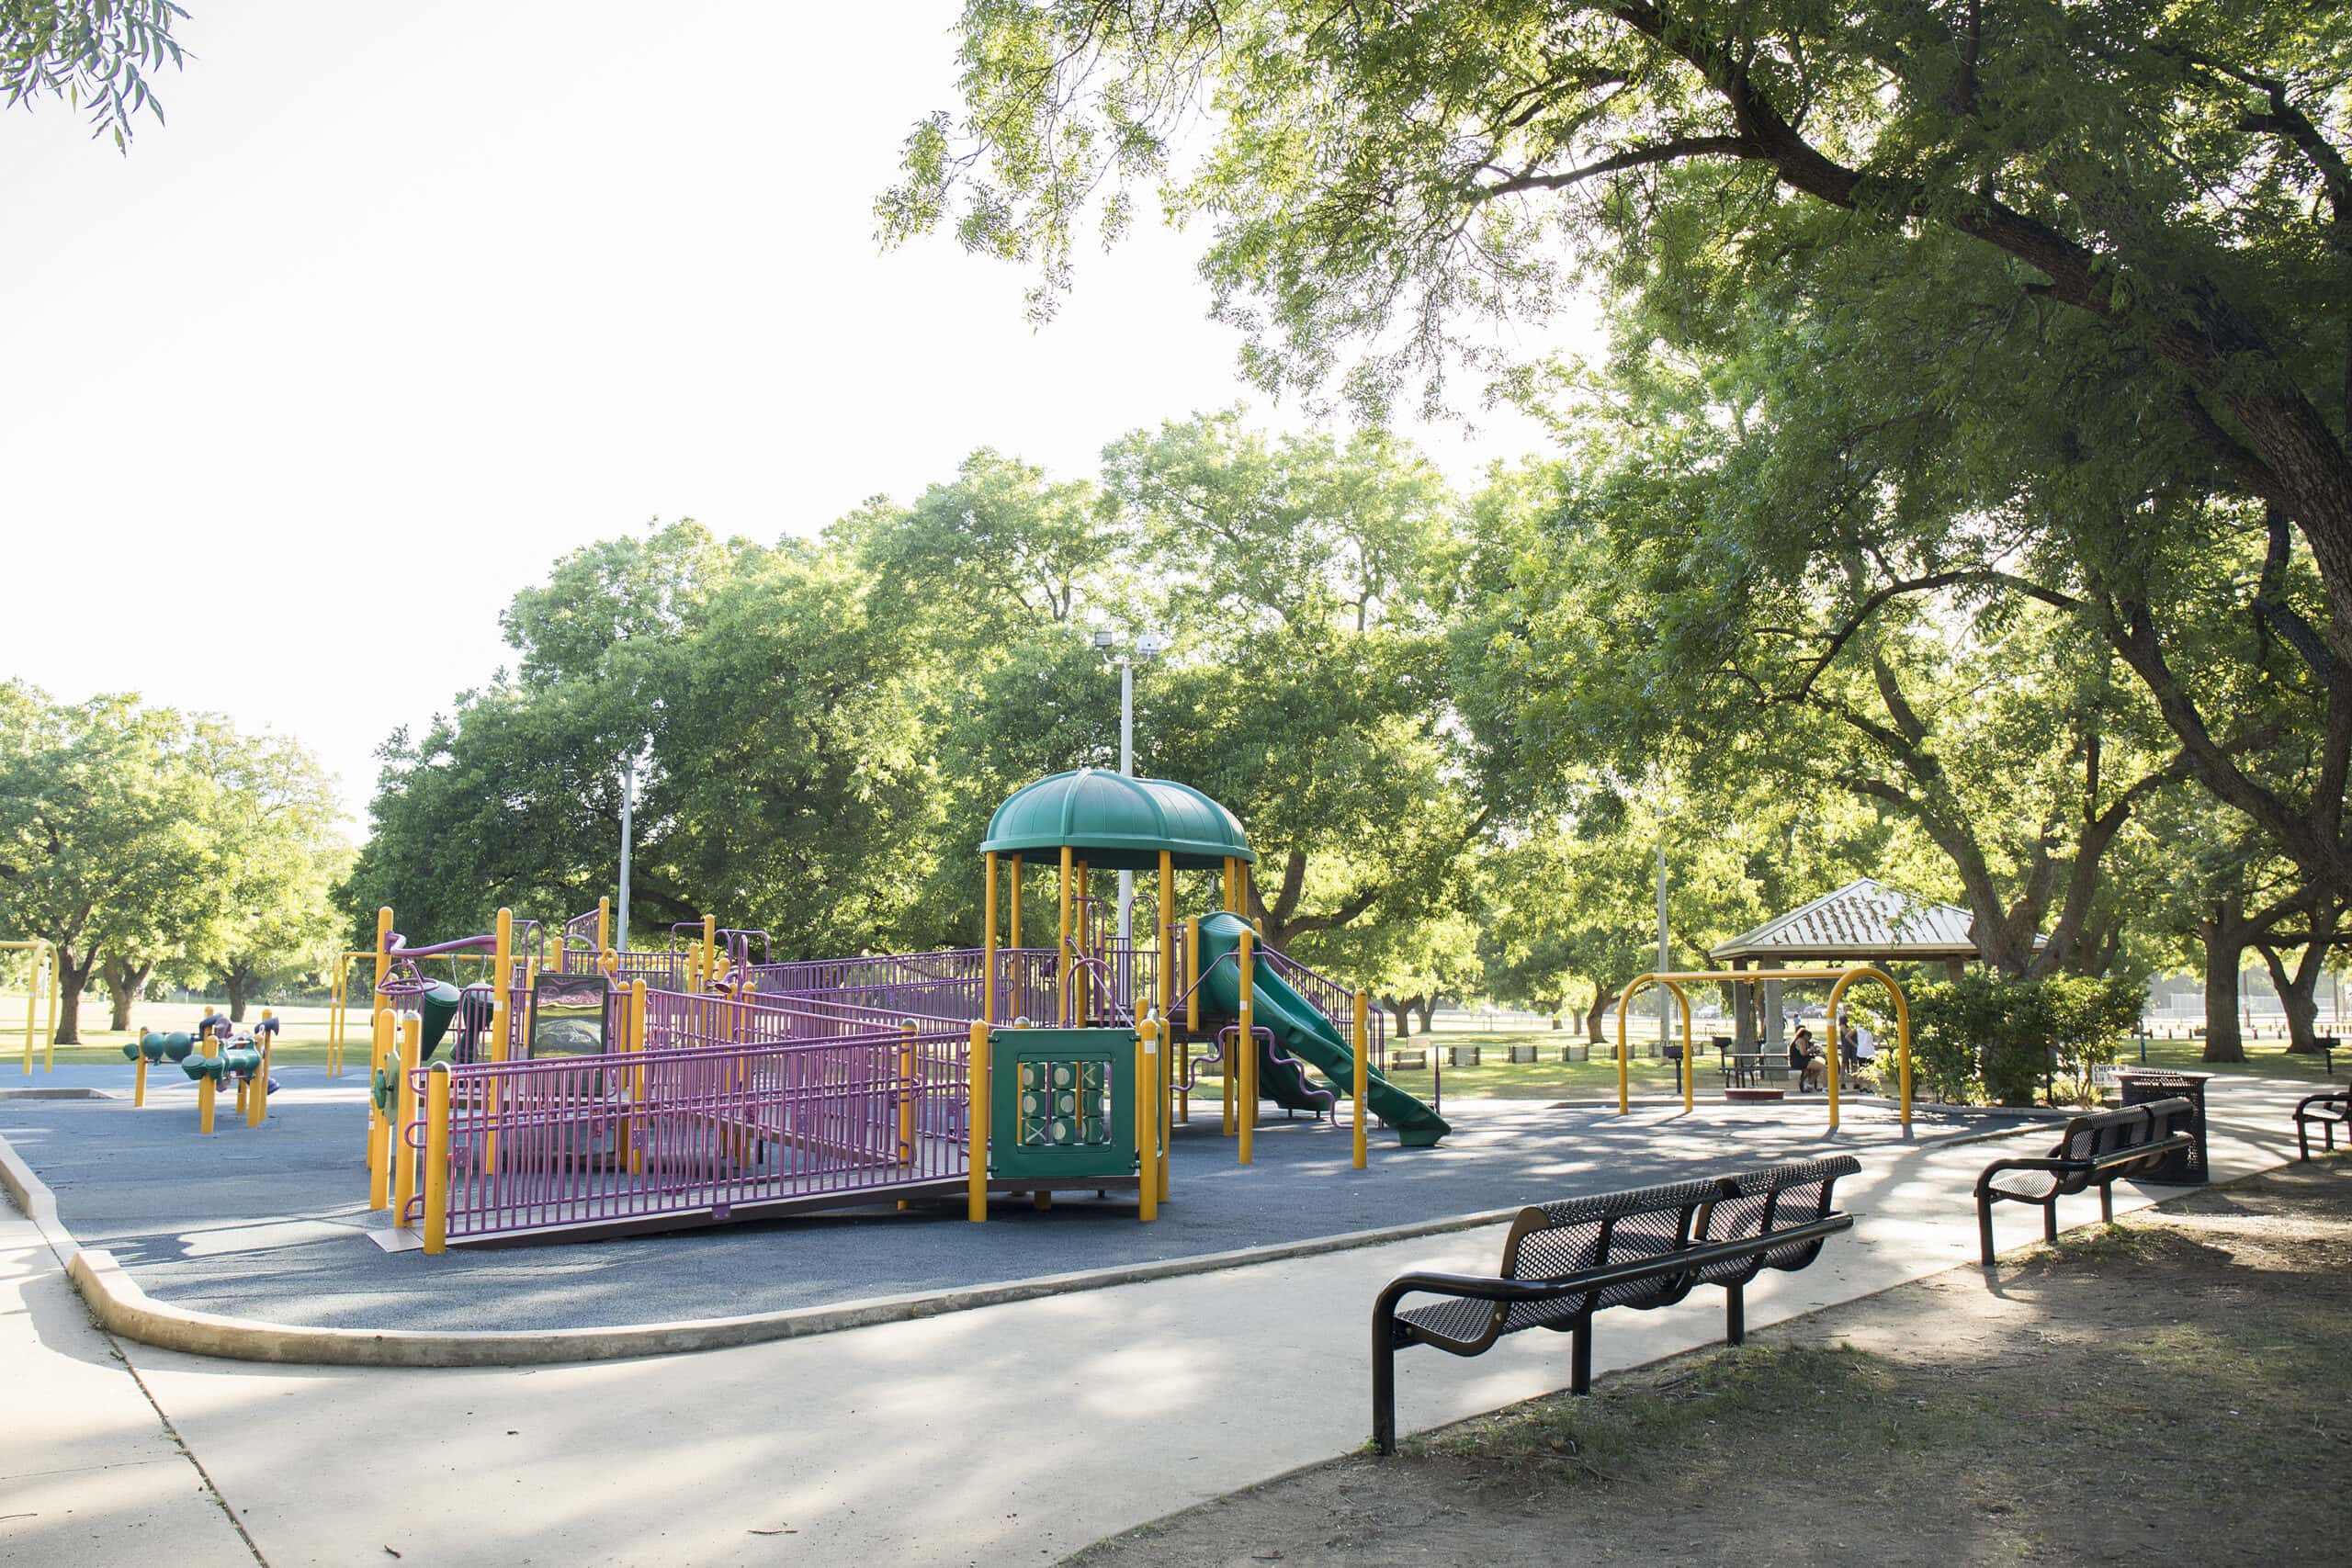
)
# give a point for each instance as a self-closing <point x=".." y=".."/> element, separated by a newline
<point x="987" y="948"/>
<point x="1061" y="962"/>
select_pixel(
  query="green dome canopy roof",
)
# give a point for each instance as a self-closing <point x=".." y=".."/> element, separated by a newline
<point x="1117" y="823"/>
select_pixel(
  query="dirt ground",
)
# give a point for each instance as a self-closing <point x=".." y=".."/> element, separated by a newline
<point x="2171" y="1390"/>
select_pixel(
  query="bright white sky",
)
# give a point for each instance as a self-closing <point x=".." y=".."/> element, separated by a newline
<point x="407" y="300"/>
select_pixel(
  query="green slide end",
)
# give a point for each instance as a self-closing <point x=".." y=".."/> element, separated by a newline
<point x="1300" y="1030"/>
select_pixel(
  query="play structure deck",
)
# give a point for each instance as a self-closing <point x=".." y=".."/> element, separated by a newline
<point x="590" y="1091"/>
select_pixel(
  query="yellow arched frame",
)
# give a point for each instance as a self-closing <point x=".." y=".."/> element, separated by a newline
<point x="1839" y="979"/>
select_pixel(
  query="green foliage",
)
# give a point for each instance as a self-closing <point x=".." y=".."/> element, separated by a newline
<point x="1983" y="1037"/>
<point x="141" y="838"/>
<point x="101" y="54"/>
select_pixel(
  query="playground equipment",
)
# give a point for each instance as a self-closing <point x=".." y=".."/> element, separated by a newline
<point x="41" y="980"/>
<point x="1839" y="979"/>
<point x="216" y="1053"/>
<point x="705" y="1082"/>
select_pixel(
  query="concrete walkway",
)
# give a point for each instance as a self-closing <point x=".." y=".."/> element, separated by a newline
<point x="90" y="1473"/>
<point x="1012" y="1434"/>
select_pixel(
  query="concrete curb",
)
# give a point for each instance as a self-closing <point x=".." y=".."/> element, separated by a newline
<point x="121" y="1306"/>
<point x="81" y="1093"/>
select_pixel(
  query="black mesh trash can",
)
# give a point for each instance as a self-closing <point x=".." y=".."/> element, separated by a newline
<point x="2183" y="1168"/>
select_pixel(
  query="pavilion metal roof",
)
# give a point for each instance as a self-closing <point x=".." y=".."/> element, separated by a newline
<point x="1865" y="918"/>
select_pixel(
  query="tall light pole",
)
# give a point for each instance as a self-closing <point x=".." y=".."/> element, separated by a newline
<point x="1148" y="646"/>
<point x="629" y="765"/>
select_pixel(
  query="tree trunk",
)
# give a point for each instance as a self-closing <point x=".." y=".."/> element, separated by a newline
<point x="240" y="991"/>
<point x="2299" y="988"/>
<point x="125" y="982"/>
<point x="1425" y="1006"/>
<point x="1601" y="998"/>
<point x="72" y="976"/>
<point x="1403" y="1012"/>
<point x="2225" y="944"/>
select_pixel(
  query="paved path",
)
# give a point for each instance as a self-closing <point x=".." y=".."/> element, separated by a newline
<point x="271" y="1222"/>
<point x="1013" y="1434"/>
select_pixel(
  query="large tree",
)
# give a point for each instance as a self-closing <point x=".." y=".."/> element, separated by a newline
<point x="2144" y="210"/>
<point x="99" y="55"/>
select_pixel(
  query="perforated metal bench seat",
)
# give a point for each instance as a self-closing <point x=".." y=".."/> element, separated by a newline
<point x="1646" y="1247"/>
<point x="2096" y="1150"/>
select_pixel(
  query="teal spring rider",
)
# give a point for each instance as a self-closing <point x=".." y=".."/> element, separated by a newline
<point x="242" y="1059"/>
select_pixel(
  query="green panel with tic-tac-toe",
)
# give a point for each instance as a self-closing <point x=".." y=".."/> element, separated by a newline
<point x="1062" y="1103"/>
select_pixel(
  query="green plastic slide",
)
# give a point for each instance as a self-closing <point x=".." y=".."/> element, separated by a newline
<point x="1300" y="1030"/>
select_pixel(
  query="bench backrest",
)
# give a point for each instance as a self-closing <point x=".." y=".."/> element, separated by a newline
<point x="1756" y="1203"/>
<point x="1553" y="1241"/>
<point x="2108" y="1132"/>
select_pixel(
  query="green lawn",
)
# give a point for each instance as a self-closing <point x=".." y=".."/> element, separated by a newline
<point x="303" y="1041"/>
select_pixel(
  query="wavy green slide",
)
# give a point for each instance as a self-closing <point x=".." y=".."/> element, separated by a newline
<point x="1301" y="1031"/>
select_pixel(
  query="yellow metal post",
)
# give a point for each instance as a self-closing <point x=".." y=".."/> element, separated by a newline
<point x="32" y="1001"/>
<point x="1192" y="973"/>
<point x="637" y="1045"/>
<point x="502" y="1016"/>
<point x="1148" y="1082"/>
<point x="1246" y="1101"/>
<point x="336" y="1008"/>
<point x="437" y="1159"/>
<point x="908" y="1088"/>
<point x="604" y="922"/>
<point x="710" y="948"/>
<point x="1624" y="1067"/>
<point x="258" y="1098"/>
<point x="412" y="1029"/>
<point x="1360" y="1039"/>
<point x="1061" y="964"/>
<point x="139" y="1085"/>
<point x="1170" y="1050"/>
<point x="379" y="1048"/>
<point x="988" y="946"/>
<point x="205" y="1091"/>
<point x="1082" y="979"/>
<point x="1225" y="886"/>
<point x="1013" y="900"/>
<point x="976" y="1118"/>
<point x="1241" y="900"/>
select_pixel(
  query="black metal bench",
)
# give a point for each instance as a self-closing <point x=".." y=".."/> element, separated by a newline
<point x="1648" y="1247"/>
<point x="2096" y="1150"/>
<point x="2327" y="1112"/>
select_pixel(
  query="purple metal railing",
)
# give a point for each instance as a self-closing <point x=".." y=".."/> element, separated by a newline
<point x="734" y="1106"/>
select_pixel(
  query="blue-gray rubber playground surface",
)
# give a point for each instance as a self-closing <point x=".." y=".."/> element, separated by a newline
<point x="271" y="1222"/>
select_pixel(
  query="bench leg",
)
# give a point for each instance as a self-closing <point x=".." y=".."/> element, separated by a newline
<point x="1384" y="1388"/>
<point x="2303" y="1141"/>
<point x="2107" y="1202"/>
<point x="1984" y="1229"/>
<point x="1580" y="1357"/>
<point x="1734" y="1314"/>
<point x="2050" y="1220"/>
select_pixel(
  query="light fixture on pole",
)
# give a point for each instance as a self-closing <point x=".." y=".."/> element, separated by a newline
<point x="1146" y="647"/>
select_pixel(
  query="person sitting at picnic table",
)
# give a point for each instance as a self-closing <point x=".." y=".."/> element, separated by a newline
<point x="1801" y="1056"/>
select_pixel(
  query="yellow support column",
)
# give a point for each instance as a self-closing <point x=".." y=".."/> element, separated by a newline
<point x="976" y="1118"/>
<point x="205" y="1091"/>
<point x="604" y="922"/>
<point x="1164" y="945"/>
<point x="1225" y="886"/>
<point x="56" y="981"/>
<point x="988" y="946"/>
<point x="412" y="1031"/>
<point x="1017" y="1004"/>
<point x="1192" y="1009"/>
<point x="502" y="1017"/>
<point x="1246" y="1102"/>
<point x="139" y="1085"/>
<point x="44" y="969"/>
<point x="1082" y="979"/>
<point x="437" y="1159"/>
<point x="1148" y="1119"/>
<point x="32" y="1002"/>
<point x="336" y="1008"/>
<point x="709" y="949"/>
<point x="1360" y="1039"/>
<point x="637" y="1045"/>
<point x="379" y="1049"/>
<point x="908" y="1089"/>
<point x="1241" y="904"/>
<point x="1061" y="964"/>
<point x="1012" y="913"/>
